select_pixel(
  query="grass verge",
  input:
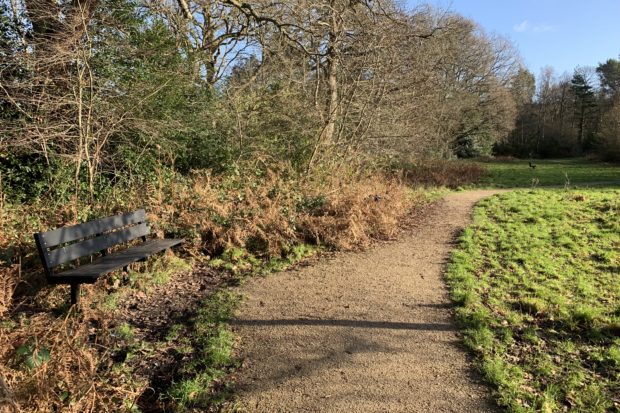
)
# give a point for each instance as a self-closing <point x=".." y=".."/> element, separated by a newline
<point x="536" y="281"/>
<point x="207" y="345"/>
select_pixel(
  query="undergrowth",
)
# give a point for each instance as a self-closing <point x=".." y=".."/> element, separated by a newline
<point x="267" y="213"/>
<point x="536" y="280"/>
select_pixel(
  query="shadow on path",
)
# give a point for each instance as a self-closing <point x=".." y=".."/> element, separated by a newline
<point x="348" y="323"/>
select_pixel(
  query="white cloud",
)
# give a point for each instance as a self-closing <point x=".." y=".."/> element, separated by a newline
<point x="522" y="27"/>
<point x="526" y="26"/>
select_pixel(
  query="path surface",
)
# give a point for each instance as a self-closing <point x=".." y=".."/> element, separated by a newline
<point x="369" y="332"/>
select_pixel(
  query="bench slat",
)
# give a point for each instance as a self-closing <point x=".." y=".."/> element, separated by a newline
<point x="89" y="273"/>
<point x="76" y="232"/>
<point x="94" y="245"/>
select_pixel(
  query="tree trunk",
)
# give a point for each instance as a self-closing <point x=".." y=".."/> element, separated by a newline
<point x="326" y="137"/>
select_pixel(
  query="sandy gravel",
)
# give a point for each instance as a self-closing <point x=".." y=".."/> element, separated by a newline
<point x="363" y="332"/>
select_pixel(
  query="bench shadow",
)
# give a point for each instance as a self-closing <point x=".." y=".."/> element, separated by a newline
<point x="169" y="366"/>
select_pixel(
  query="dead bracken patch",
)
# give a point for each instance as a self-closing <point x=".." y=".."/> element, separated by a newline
<point x="438" y="172"/>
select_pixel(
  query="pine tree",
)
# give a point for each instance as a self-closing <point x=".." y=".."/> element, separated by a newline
<point x="585" y="103"/>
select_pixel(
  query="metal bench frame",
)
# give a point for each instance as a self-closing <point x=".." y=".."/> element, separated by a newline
<point x="94" y="239"/>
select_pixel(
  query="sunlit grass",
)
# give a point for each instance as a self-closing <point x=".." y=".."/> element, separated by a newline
<point x="536" y="278"/>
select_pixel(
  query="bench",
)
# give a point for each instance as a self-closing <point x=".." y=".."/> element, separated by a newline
<point x="93" y="239"/>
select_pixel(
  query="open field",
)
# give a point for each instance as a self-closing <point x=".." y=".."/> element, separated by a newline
<point x="536" y="280"/>
<point x="551" y="172"/>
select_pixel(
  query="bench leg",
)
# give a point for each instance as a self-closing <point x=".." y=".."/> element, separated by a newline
<point x="75" y="294"/>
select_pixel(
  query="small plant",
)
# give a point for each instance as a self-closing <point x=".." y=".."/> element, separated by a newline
<point x="32" y="356"/>
<point x="163" y="268"/>
<point x="125" y="332"/>
<point x="110" y="301"/>
<point x="241" y="262"/>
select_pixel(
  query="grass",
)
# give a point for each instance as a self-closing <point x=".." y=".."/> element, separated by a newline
<point x="536" y="281"/>
<point x="558" y="172"/>
<point x="144" y="277"/>
<point x="241" y="262"/>
<point x="207" y="345"/>
<point x="157" y="271"/>
<point x="125" y="331"/>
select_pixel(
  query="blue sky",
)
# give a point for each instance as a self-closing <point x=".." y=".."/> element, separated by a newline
<point x="557" y="33"/>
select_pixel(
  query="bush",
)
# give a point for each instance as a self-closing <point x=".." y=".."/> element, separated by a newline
<point x="267" y="211"/>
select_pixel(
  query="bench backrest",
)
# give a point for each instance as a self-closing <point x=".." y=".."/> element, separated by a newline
<point x="66" y="244"/>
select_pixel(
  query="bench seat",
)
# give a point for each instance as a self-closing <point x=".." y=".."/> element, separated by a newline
<point x="88" y="273"/>
<point x="70" y="245"/>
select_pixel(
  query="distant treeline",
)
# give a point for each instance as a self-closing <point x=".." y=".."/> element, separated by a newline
<point x="568" y="115"/>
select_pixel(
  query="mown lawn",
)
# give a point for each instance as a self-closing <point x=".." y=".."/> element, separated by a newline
<point x="536" y="278"/>
<point x="550" y="172"/>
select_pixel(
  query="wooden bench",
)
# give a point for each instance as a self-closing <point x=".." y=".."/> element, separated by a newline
<point x="94" y="239"/>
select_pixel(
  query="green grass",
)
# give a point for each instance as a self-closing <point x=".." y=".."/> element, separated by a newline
<point x="157" y="271"/>
<point x="125" y="331"/>
<point x="537" y="281"/>
<point x="207" y="345"/>
<point x="559" y="172"/>
<point x="241" y="262"/>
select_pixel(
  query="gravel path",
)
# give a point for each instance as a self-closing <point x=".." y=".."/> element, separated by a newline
<point x="363" y="332"/>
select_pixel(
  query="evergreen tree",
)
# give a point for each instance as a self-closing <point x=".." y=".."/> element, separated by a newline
<point x="585" y="104"/>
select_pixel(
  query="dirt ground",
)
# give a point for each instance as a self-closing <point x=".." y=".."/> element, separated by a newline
<point x="362" y="332"/>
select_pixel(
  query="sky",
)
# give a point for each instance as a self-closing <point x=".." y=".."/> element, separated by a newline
<point x="562" y="34"/>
